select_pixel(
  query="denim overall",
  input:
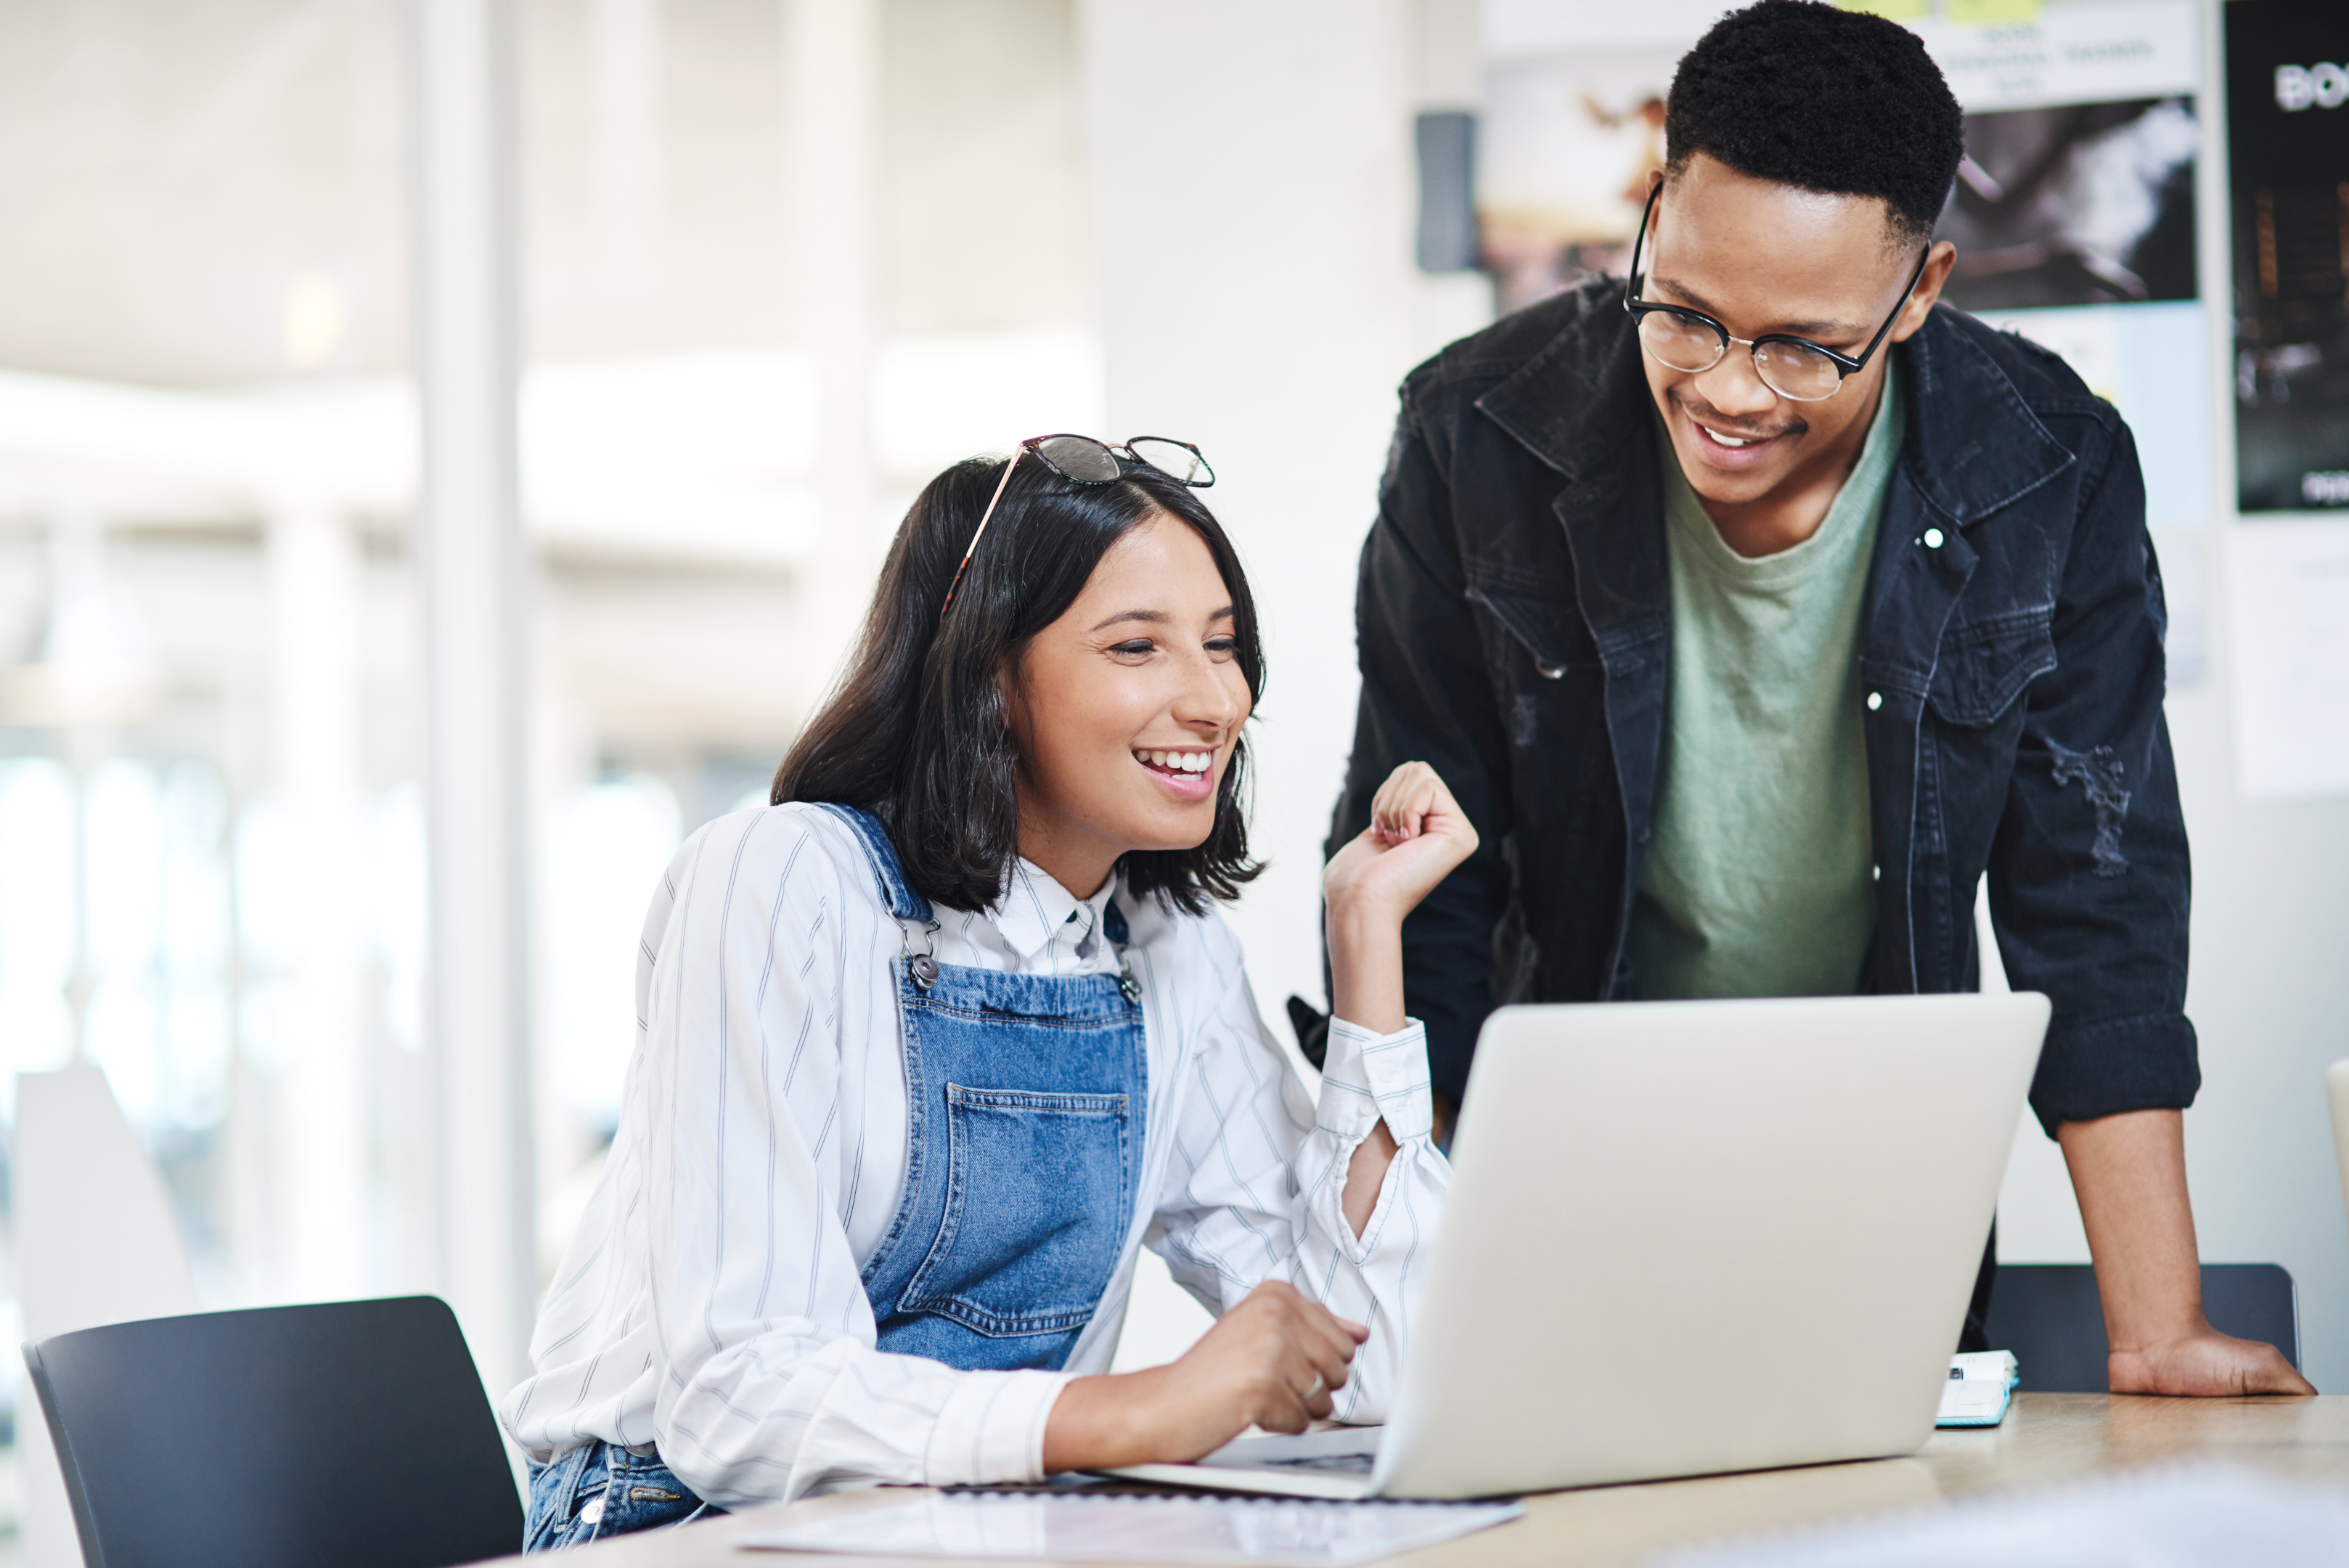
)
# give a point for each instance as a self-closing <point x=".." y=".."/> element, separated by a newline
<point x="1026" y="1100"/>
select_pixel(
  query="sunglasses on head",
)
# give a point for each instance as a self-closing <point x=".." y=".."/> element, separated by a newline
<point x="1081" y="460"/>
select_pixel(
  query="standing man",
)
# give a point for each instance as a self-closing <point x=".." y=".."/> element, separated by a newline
<point x="1756" y="610"/>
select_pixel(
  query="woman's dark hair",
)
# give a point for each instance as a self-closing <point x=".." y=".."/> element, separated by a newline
<point x="918" y="734"/>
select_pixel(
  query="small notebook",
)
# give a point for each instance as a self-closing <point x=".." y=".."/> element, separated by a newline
<point x="1981" y="1385"/>
<point x="1048" y="1527"/>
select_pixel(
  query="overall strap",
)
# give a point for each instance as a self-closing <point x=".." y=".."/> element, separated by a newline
<point x="903" y="901"/>
<point x="1114" y="928"/>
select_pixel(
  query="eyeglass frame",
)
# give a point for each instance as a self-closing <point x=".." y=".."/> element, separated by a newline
<point x="1119" y="454"/>
<point x="1846" y="366"/>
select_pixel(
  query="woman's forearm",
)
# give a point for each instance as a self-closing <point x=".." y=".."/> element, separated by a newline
<point x="1103" y="1421"/>
<point x="1417" y="834"/>
<point x="1366" y="969"/>
<point x="1366" y="990"/>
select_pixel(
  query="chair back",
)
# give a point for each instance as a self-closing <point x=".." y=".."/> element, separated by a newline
<point x="348" y="1432"/>
<point x="2050" y="1316"/>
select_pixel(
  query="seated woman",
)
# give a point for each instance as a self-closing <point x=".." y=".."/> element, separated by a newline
<point x="928" y="1049"/>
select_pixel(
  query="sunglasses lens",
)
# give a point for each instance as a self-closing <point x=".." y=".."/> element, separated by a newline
<point x="1174" y="459"/>
<point x="1080" y="458"/>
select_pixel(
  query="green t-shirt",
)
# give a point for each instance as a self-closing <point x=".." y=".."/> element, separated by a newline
<point x="1760" y="870"/>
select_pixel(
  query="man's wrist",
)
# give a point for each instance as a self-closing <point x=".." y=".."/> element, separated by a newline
<point x="2128" y="1171"/>
<point x="2149" y="1330"/>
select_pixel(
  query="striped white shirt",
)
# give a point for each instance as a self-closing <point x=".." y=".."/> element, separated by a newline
<point x="711" y="1304"/>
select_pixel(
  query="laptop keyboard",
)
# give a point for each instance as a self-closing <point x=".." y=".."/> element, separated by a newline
<point x="1324" y="1464"/>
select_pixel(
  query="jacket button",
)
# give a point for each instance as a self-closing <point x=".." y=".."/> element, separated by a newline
<point x="1550" y="672"/>
<point x="1875" y="700"/>
<point x="1876" y="873"/>
<point x="1932" y="538"/>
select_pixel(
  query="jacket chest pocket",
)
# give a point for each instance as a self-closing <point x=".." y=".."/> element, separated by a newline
<point x="1544" y="632"/>
<point x="1537" y="649"/>
<point x="1982" y="668"/>
<point x="1036" y="1211"/>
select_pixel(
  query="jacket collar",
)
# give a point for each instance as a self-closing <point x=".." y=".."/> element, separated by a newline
<point x="1571" y="404"/>
<point x="1975" y="446"/>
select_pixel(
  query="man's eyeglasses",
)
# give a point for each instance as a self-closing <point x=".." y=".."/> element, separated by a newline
<point x="1081" y="460"/>
<point x="1691" y="342"/>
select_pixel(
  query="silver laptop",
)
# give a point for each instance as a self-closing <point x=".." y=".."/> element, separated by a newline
<point x="1685" y="1238"/>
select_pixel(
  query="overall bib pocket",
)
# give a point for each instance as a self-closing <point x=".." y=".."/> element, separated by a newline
<point x="1036" y="1187"/>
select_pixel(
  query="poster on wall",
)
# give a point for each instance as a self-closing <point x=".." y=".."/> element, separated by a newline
<point x="2288" y="181"/>
<point x="2073" y="205"/>
<point x="2075" y="218"/>
<point x="1562" y="173"/>
<point x="2074" y="225"/>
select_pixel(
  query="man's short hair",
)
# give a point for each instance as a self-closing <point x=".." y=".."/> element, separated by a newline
<point x="1841" y="101"/>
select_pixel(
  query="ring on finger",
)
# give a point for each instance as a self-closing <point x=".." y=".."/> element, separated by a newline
<point x="1320" y="1387"/>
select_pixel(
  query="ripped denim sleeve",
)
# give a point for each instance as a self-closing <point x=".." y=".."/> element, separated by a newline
<point x="2098" y="771"/>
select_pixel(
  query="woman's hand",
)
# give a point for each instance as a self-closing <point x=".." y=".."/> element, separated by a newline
<point x="1271" y="1362"/>
<point x="1417" y="834"/>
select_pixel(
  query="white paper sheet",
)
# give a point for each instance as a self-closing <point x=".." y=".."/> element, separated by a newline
<point x="1078" y="1528"/>
<point x="2289" y="617"/>
<point x="2081" y="51"/>
<point x="2173" y="1517"/>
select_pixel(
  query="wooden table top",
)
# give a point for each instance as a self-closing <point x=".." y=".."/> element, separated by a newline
<point x="2045" y="1437"/>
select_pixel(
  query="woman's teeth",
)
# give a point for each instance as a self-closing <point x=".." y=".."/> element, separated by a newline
<point x="1179" y="762"/>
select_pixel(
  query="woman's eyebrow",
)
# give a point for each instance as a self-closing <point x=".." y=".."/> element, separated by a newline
<point x="1154" y="618"/>
<point x="1149" y="617"/>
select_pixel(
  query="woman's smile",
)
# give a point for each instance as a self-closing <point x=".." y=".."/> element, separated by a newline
<point x="1188" y="771"/>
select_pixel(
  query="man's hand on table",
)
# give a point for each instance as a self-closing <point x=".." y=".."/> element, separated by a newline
<point x="2206" y="1362"/>
<point x="2129" y="1173"/>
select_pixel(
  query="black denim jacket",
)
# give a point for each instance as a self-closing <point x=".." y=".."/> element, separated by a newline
<point x="1513" y="619"/>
